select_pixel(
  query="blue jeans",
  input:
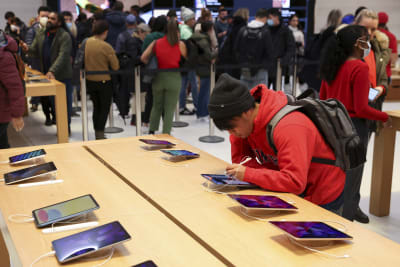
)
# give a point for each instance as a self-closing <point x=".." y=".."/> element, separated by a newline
<point x="261" y="77"/>
<point x="191" y="78"/>
<point x="3" y="135"/>
<point x="68" y="91"/>
<point x="204" y="97"/>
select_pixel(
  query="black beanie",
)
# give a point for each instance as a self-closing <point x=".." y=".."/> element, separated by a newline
<point x="229" y="98"/>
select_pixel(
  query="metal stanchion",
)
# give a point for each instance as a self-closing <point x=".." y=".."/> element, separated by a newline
<point x="112" y="129"/>
<point x="211" y="138"/>
<point x="294" y="82"/>
<point x="85" y="135"/>
<point x="278" y="76"/>
<point x="177" y="123"/>
<point x="137" y="102"/>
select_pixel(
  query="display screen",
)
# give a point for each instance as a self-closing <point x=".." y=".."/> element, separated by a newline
<point x="372" y="94"/>
<point x="28" y="173"/>
<point x="310" y="230"/>
<point x="38" y="81"/>
<point x="263" y="202"/>
<point x="221" y="179"/>
<point x="64" y="210"/>
<point x="156" y="142"/>
<point x="89" y="241"/>
<point x="27" y="156"/>
<point x="146" y="264"/>
<point x="180" y="153"/>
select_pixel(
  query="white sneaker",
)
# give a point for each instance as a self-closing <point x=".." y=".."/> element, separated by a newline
<point x="204" y="119"/>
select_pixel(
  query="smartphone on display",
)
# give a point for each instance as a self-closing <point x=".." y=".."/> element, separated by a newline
<point x="64" y="210"/>
<point x="225" y="180"/>
<point x="372" y="94"/>
<point x="29" y="173"/>
<point x="145" y="264"/>
<point x="27" y="156"/>
<point x="159" y="143"/>
<point x="89" y="241"/>
<point x="310" y="230"/>
<point x="262" y="202"/>
<point x="181" y="154"/>
<point x="38" y="81"/>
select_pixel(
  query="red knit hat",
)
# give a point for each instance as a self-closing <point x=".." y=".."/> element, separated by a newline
<point x="383" y="18"/>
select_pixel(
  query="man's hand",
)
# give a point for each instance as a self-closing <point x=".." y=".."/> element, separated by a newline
<point x="17" y="123"/>
<point x="24" y="46"/>
<point x="236" y="171"/>
<point x="388" y="123"/>
<point x="50" y="76"/>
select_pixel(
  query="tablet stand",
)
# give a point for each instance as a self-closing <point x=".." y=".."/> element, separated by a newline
<point x="74" y="226"/>
<point x="258" y="212"/>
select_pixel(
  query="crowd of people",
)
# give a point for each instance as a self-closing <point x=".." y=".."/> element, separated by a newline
<point x="352" y="54"/>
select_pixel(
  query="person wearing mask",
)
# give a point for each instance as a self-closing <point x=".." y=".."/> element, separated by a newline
<point x="254" y="46"/>
<point x="15" y="27"/>
<point x="282" y="43"/>
<point x="221" y="26"/>
<point x="69" y="21"/>
<point x="203" y="40"/>
<point x="346" y="77"/>
<point x="116" y="22"/>
<point x="53" y="46"/>
<point x="383" y="20"/>
<point x="12" y="99"/>
<point x="135" y="10"/>
<point x="166" y="85"/>
<point x="186" y="31"/>
<point x="100" y="56"/>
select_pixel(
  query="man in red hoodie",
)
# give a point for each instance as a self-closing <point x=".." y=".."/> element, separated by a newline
<point x="12" y="100"/>
<point x="245" y="115"/>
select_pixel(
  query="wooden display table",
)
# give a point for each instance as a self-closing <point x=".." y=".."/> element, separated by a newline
<point x="213" y="219"/>
<point x="394" y="89"/>
<point x="56" y="89"/>
<point x="382" y="167"/>
<point x="154" y="236"/>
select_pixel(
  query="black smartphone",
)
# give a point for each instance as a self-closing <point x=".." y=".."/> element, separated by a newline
<point x="29" y="173"/>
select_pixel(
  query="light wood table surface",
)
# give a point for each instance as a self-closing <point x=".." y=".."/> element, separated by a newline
<point x="154" y="236"/>
<point x="176" y="189"/>
<point x="382" y="167"/>
<point x="56" y="89"/>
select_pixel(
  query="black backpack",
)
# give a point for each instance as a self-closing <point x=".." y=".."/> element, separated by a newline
<point x="251" y="52"/>
<point x="333" y="122"/>
<point x="193" y="53"/>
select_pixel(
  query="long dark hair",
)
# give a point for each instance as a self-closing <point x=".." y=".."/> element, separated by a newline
<point x="337" y="49"/>
<point x="172" y="32"/>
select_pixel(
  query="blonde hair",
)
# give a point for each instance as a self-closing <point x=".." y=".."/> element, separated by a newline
<point x="242" y="12"/>
<point x="365" y="13"/>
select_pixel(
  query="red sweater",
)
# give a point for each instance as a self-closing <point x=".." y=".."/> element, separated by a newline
<point x="168" y="56"/>
<point x="351" y="87"/>
<point x="297" y="141"/>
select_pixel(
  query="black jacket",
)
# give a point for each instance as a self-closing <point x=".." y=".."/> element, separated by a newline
<point x="117" y="24"/>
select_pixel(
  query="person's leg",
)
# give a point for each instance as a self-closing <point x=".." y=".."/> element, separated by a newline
<point x="204" y="96"/>
<point x="69" y="91"/>
<point x="194" y="88"/>
<point x="46" y="107"/>
<point x="92" y="90"/>
<point x="170" y="100"/>
<point x="182" y="95"/>
<point x="149" y="103"/>
<point x="105" y="100"/>
<point x="3" y="136"/>
<point x="158" y="101"/>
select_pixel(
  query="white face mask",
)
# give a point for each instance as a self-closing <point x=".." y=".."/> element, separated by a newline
<point x="14" y="28"/>
<point x="43" y="21"/>
<point x="367" y="50"/>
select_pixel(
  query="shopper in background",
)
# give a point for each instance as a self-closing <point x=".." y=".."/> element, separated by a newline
<point x="100" y="56"/>
<point x="135" y="10"/>
<point x="69" y="21"/>
<point x="222" y="26"/>
<point x="84" y="28"/>
<point x="206" y="16"/>
<point x="298" y="34"/>
<point x="12" y="100"/>
<point x="345" y="77"/>
<point x="116" y="22"/>
<point x="15" y="27"/>
<point x="171" y="15"/>
<point x="166" y="85"/>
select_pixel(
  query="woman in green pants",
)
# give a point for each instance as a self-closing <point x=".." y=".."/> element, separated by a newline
<point x="166" y="85"/>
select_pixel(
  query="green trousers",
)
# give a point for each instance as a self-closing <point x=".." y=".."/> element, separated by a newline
<point x="166" y="88"/>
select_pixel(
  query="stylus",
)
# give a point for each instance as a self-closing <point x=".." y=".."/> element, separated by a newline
<point x="41" y="183"/>
<point x="69" y="227"/>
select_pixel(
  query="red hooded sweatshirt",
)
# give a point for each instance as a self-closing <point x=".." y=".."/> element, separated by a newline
<point x="297" y="140"/>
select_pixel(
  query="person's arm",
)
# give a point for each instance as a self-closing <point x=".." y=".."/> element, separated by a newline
<point x="33" y="49"/>
<point x="147" y="53"/>
<point x="290" y="48"/>
<point x="183" y="49"/>
<point x="119" y="46"/>
<point x="64" y="54"/>
<point x="112" y="57"/>
<point x="268" y="52"/>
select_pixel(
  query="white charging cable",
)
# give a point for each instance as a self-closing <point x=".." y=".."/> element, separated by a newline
<point x="107" y="256"/>
<point x="4" y="162"/>
<point x="345" y="256"/>
<point x="11" y="218"/>
<point x="51" y="253"/>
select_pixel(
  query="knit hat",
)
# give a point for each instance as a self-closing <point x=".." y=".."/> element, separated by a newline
<point x="130" y="19"/>
<point x="229" y="98"/>
<point x="186" y="14"/>
<point x="383" y="18"/>
<point x="144" y="27"/>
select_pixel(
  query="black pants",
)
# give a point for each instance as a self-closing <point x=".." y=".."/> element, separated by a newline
<point x="3" y="135"/>
<point x="354" y="176"/>
<point x="149" y="102"/>
<point x="48" y="106"/>
<point x="101" y="95"/>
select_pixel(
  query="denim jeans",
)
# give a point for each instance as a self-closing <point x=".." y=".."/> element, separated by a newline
<point x="3" y="135"/>
<point x="261" y="77"/>
<point x="191" y="78"/>
<point x="204" y="97"/>
<point x="68" y="91"/>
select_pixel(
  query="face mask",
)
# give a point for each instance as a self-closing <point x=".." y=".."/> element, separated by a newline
<point x="270" y="22"/>
<point x="14" y="28"/>
<point x="43" y="21"/>
<point x="69" y="25"/>
<point x="367" y="50"/>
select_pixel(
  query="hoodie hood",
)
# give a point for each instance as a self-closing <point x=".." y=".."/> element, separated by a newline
<point x="270" y="103"/>
<point x="116" y="18"/>
<point x="255" y="24"/>
<point x="8" y="43"/>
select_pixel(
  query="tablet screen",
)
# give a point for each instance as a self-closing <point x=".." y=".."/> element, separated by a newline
<point x="310" y="230"/>
<point x="221" y="179"/>
<point x="89" y="241"/>
<point x="27" y="156"/>
<point x="64" y="210"/>
<point x="156" y="142"/>
<point x="27" y="173"/>
<point x="180" y="153"/>
<point x="265" y="202"/>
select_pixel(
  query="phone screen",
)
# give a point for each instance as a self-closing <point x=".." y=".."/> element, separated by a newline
<point x="27" y="156"/>
<point x="156" y="142"/>
<point x="180" y="153"/>
<point x="310" y="230"/>
<point x="372" y="94"/>
<point x="146" y="264"/>
<point x="64" y="210"/>
<point x="28" y="173"/>
<point x="221" y="179"/>
<point x="89" y="241"/>
<point x="266" y="202"/>
<point x="38" y="81"/>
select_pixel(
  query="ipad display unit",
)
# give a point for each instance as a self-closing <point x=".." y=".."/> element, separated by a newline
<point x="373" y="93"/>
<point x="64" y="210"/>
<point x="158" y="143"/>
<point x="17" y="159"/>
<point x="89" y="241"/>
<point x="257" y="202"/>
<point x="181" y="154"/>
<point x="146" y="264"/>
<point x="226" y="181"/>
<point x="310" y="230"/>
<point x="29" y="173"/>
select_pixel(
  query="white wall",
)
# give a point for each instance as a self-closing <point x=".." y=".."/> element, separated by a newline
<point x="23" y="9"/>
<point x="391" y="7"/>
